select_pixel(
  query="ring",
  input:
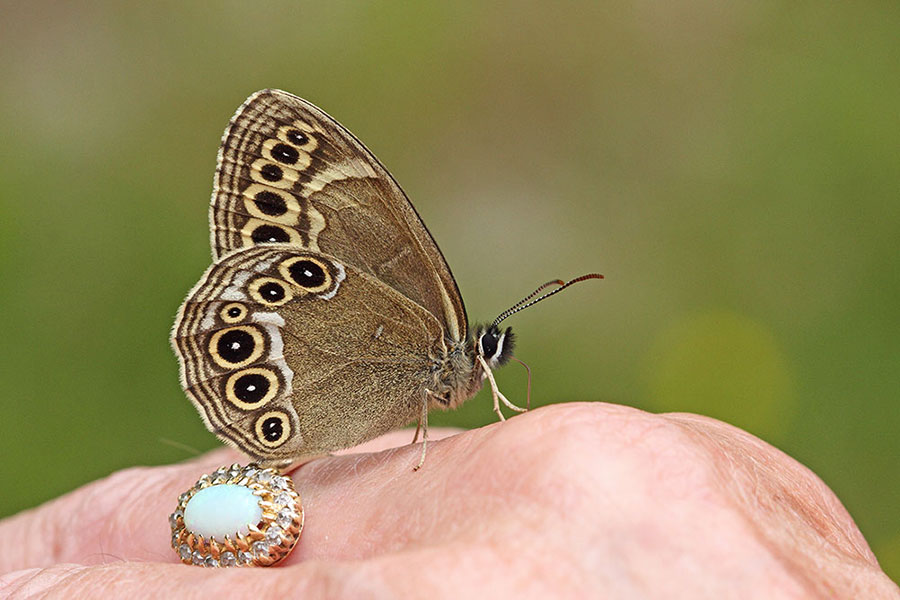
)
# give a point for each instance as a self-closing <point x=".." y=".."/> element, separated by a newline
<point x="237" y="516"/>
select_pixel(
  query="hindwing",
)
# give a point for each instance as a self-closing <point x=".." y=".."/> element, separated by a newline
<point x="289" y="353"/>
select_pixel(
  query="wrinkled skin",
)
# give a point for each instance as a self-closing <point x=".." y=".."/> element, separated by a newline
<point x="572" y="501"/>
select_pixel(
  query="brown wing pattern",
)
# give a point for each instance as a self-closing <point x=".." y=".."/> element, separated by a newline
<point x="289" y="173"/>
<point x="284" y="350"/>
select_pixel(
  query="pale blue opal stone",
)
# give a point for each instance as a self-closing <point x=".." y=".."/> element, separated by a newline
<point x="221" y="510"/>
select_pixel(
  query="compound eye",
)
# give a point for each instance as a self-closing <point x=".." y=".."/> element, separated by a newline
<point x="488" y="344"/>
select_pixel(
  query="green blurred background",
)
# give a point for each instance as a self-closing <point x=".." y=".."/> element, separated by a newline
<point x="732" y="168"/>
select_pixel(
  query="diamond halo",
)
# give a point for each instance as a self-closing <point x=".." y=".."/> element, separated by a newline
<point x="265" y="543"/>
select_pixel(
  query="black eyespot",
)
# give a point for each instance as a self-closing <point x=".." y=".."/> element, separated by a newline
<point x="235" y="346"/>
<point x="233" y="312"/>
<point x="271" y="172"/>
<point x="270" y="234"/>
<point x="271" y="291"/>
<point x="488" y="344"/>
<point x="270" y="203"/>
<point x="251" y="388"/>
<point x="285" y="154"/>
<point x="307" y="273"/>
<point x="272" y="429"/>
<point x="297" y="137"/>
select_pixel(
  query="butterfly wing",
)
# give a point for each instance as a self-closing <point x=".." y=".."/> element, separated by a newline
<point x="287" y="172"/>
<point x="290" y="353"/>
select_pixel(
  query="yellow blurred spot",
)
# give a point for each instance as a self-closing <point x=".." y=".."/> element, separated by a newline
<point x="724" y="365"/>
<point x="888" y="554"/>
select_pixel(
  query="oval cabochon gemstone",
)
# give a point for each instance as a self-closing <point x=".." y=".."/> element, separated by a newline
<point x="221" y="510"/>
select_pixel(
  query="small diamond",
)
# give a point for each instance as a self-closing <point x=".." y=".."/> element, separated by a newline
<point x="227" y="559"/>
<point x="210" y="562"/>
<point x="173" y="518"/>
<point x="260" y="549"/>
<point x="183" y="498"/>
<point x="284" y="500"/>
<point x="280" y="484"/>
<point x="250" y="472"/>
<point x="197" y="558"/>
<point x="244" y="557"/>
<point x="273" y="534"/>
<point x="175" y="537"/>
<point x="265" y="477"/>
<point x="184" y="551"/>
<point x="285" y="518"/>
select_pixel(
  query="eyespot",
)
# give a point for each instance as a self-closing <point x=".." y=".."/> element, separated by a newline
<point x="311" y="274"/>
<point x="300" y="135"/>
<point x="297" y="137"/>
<point x="233" y="312"/>
<point x="284" y="154"/>
<point x="267" y="172"/>
<point x="236" y="346"/>
<point x="271" y="172"/>
<point x="270" y="291"/>
<point x="273" y="429"/>
<point x="250" y="389"/>
<point x="271" y="204"/>
<point x="256" y="231"/>
<point x="270" y="234"/>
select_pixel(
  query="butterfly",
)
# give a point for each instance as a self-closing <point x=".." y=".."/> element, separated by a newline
<point x="329" y="315"/>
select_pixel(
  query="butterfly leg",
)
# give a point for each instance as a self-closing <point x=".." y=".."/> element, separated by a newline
<point x="423" y="425"/>
<point x="496" y="393"/>
<point x="418" y="429"/>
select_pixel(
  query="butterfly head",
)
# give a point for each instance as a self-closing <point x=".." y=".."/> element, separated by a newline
<point x="495" y="345"/>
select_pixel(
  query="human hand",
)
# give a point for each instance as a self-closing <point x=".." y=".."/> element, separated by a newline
<point x="572" y="500"/>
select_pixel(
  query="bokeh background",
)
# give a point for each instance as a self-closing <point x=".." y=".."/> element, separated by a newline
<point x="733" y="168"/>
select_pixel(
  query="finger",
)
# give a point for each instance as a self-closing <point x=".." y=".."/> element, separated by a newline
<point x="570" y="544"/>
<point x="791" y="505"/>
<point x="118" y="517"/>
<point x="124" y="516"/>
<point x="580" y="495"/>
<point x="465" y="571"/>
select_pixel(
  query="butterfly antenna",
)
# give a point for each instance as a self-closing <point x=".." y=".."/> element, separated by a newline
<point x="528" y="393"/>
<point x="530" y="299"/>
<point x="535" y="293"/>
<point x="516" y="306"/>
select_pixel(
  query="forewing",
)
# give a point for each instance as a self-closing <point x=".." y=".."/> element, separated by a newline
<point x="289" y="173"/>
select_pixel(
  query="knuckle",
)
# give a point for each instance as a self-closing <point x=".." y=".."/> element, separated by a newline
<point x="595" y="444"/>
